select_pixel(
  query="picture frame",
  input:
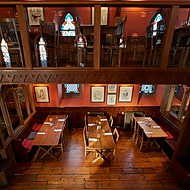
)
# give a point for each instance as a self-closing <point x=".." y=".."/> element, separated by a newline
<point x="35" y="14"/>
<point x="125" y="93"/>
<point x="112" y="88"/>
<point x="104" y="15"/>
<point x="41" y="94"/>
<point x="111" y="99"/>
<point x="97" y="94"/>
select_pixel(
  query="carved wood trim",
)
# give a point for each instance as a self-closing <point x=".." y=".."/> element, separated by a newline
<point x="95" y="77"/>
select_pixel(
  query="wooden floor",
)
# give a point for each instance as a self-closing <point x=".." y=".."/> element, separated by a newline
<point x="130" y="169"/>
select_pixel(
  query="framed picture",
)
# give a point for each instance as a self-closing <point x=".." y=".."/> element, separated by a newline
<point x="104" y="15"/>
<point x="35" y="14"/>
<point x="111" y="99"/>
<point x="112" y="88"/>
<point x="125" y="93"/>
<point x="41" y="94"/>
<point x="97" y="93"/>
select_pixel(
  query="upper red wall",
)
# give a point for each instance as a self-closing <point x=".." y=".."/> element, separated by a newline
<point x="57" y="100"/>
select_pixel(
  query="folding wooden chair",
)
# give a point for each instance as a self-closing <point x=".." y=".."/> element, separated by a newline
<point x="116" y="138"/>
<point x="86" y="143"/>
<point x="141" y="137"/>
<point x="134" y="126"/>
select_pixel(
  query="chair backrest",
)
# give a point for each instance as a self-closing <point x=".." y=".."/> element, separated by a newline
<point x="85" y="137"/>
<point x="111" y="121"/>
<point x="115" y="135"/>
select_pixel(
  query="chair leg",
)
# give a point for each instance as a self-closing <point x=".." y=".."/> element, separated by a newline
<point x="113" y="152"/>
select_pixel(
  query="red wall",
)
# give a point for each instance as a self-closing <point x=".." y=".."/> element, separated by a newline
<point x="56" y="100"/>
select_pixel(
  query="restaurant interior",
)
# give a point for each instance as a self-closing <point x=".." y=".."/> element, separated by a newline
<point x="94" y="94"/>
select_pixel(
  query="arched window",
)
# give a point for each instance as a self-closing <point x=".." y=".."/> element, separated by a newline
<point x="157" y="18"/>
<point x="5" y="52"/>
<point x="42" y="52"/>
<point x="81" y="43"/>
<point x="68" y="26"/>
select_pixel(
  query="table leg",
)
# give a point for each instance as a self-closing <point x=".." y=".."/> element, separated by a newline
<point x="147" y="144"/>
<point x="48" y="152"/>
<point x="162" y="144"/>
<point x="36" y="155"/>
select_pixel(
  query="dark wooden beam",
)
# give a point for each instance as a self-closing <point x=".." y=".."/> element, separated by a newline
<point x="150" y="76"/>
<point x="87" y="3"/>
<point x="168" y="36"/>
<point x="24" y="36"/>
<point x="97" y="22"/>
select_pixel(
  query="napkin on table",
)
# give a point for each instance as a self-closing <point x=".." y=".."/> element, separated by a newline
<point x="103" y="119"/>
<point x="91" y="124"/>
<point x="47" y="123"/>
<point x="156" y="127"/>
<point x="41" y="133"/>
<point x="107" y="133"/>
<point x="56" y="130"/>
<point x="93" y="139"/>
<point x="149" y="132"/>
<point x="61" y="119"/>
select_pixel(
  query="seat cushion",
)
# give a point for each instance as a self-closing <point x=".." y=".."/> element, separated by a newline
<point x="37" y="127"/>
<point x="32" y="135"/>
<point x="163" y="128"/>
<point x="169" y="135"/>
<point x="27" y="144"/>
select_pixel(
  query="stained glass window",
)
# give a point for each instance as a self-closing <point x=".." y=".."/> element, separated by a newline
<point x="68" y="26"/>
<point x="71" y="88"/>
<point x="122" y="43"/>
<point x="81" y="43"/>
<point x="147" y="90"/>
<point x="42" y="52"/>
<point x="156" y="20"/>
<point x="5" y="52"/>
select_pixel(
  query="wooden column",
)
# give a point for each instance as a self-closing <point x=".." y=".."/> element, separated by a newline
<point x="26" y="96"/>
<point x="97" y="27"/>
<point x="24" y="36"/>
<point x="168" y="36"/>
<point x="31" y="98"/>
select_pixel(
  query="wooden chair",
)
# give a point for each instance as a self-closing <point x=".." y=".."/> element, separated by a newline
<point x="86" y="143"/>
<point x="111" y="121"/>
<point x="141" y="137"/>
<point x="67" y="124"/>
<point x="116" y="138"/>
<point x="61" y="144"/>
<point x="134" y="126"/>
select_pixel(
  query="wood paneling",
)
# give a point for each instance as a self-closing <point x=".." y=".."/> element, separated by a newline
<point x="76" y="115"/>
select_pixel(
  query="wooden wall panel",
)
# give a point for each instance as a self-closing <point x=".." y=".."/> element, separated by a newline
<point x="76" y="115"/>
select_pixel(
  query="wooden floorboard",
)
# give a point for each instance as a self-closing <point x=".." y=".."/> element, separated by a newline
<point x="130" y="169"/>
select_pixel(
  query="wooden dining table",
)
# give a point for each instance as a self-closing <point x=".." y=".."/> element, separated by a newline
<point x="151" y="130"/>
<point x="100" y="139"/>
<point x="48" y="136"/>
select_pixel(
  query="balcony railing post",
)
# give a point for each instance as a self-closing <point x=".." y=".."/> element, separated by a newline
<point x="97" y="19"/>
<point x="168" y="36"/>
<point x="24" y="36"/>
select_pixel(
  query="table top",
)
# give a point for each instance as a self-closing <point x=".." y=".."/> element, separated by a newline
<point x="105" y="139"/>
<point x="48" y="135"/>
<point x="157" y="132"/>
